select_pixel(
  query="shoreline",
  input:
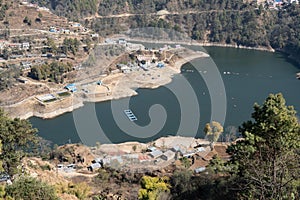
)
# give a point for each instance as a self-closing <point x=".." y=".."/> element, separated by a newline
<point x="75" y="101"/>
<point x="204" y="44"/>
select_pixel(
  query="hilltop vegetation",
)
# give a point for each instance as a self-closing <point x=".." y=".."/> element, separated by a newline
<point x="227" y="21"/>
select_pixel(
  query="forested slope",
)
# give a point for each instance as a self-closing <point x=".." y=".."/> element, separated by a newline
<point x="222" y="21"/>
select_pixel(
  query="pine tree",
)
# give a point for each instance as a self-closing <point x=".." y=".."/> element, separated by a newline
<point x="266" y="161"/>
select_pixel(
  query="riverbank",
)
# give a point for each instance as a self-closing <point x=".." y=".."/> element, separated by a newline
<point x="115" y="86"/>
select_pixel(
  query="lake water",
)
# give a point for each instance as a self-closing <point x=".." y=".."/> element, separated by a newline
<point x="249" y="76"/>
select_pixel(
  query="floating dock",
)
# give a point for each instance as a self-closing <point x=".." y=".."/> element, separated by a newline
<point x="130" y="115"/>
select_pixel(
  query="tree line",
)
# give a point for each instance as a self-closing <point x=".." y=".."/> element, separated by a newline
<point x="53" y="72"/>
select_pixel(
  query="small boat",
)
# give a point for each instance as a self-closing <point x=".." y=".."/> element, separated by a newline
<point x="298" y="75"/>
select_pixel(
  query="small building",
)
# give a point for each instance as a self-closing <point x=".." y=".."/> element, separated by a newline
<point x="143" y="158"/>
<point x="44" y="9"/>
<point x="60" y="166"/>
<point x="71" y="87"/>
<point x="25" y="45"/>
<point x="156" y="153"/>
<point x="151" y="149"/>
<point x="71" y="166"/>
<point x="4" y="177"/>
<point x="115" y="71"/>
<point x="106" y="161"/>
<point x="178" y="149"/>
<point x="62" y="55"/>
<point x="97" y="160"/>
<point x="26" y="65"/>
<point x="46" y="98"/>
<point x="94" y="166"/>
<point x="189" y="154"/>
<point x="76" y="25"/>
<point x="200" y="149"/>
<point x="110" y="41"/>
<point x="66" y="31"/>
<point x="95" y="35"/>
<point x="3" y="44"/>
<point x="16" y="56"/>
<point x="168" y="155"/>
<point x="15" y="45"/>
<point x="122" y="41"/>
<point x="21" y="80"/>
<point x="117" y="159"/>
<point x="52" y="30"/>
<point x="200" y="169"/>
<point x="160" y="65"/>
<point x="125" y="69"/>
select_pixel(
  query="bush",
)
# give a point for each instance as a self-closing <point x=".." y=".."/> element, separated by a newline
<point x="28" y="188"/>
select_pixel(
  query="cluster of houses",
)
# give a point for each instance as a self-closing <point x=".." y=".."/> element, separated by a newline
<point x="153" y="157"/>
<point x="277" y="4"/>
<point x="15" y="46"/>
<point x="34" y="5"/>
<point x="143" y="61"/>
<point x="66" y="168"/>
<point x="72" y="28"/>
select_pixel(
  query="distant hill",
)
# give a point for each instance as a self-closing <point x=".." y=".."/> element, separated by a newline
<point x="226" y="21"/>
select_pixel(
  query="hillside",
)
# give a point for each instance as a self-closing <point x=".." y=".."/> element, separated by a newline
<point x="35" y="40"/>
<point x="226" y="22"/>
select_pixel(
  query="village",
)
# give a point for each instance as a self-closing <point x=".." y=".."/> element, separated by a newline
<point x="139" y="60"/>
<point x="38" y="38"/>
<point x="278" y="4"/>
<point x="134" y="157"/>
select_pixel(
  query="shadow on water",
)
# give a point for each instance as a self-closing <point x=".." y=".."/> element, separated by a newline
<point x="288" y="59"/>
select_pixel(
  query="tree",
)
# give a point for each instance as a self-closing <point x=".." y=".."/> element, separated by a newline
<point x="17" y="136"/>
<point x="181" y="183"/>
<point x="230" y="133"/>
<point x="40" y="15"/>
<point x="153" y="187"/>
<point x="213" y="131"/>
<point x="266" y="161"/>
<point x="26" y="20"/>
<point x="6" y="53"/>
<point x="28" y="188"/>
<point x="52" y="45"/>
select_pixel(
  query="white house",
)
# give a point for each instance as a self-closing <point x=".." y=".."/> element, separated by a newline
<point x="25" y="45"/>
<point x="200" y="169"/>
<point x="156" y="153"/>
<point x="168" y="155"/>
